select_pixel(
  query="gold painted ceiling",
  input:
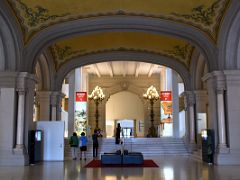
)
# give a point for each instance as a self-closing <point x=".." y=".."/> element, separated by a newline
<point x="34" y="16"/>
<point x="65" y="50"/>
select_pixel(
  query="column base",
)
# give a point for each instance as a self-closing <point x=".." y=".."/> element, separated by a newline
<point x="227" y="159"/>
<point x="14" y="157"/>
<point x="192" y="147"/>
<point x="222" y="149"/>
<point x="19" y="150"/>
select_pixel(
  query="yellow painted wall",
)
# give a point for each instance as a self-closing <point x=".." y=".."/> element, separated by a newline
<point x="124" y="105"/>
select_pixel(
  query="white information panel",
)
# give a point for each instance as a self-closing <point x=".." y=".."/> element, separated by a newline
<point x="53" y="140"/>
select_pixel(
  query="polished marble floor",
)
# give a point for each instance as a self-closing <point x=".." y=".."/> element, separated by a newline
<point x="170" y="167"/>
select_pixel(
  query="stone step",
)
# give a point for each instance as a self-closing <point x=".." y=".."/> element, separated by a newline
<point x="148" y="146"/>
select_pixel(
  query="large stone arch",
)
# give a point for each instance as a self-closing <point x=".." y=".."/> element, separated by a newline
<point x="119" y="23"/>
<point x="123" y="56"/>
<point x="46" y="72"/>
<point x="11" y="44"/>
<point x="229" y="42"/>
<point x="197" y="70"/>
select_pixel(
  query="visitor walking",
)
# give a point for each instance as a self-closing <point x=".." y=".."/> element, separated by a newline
<point x="73" y="141"/>
<point x="83" y="145"/>
<point x="95" y="143"/>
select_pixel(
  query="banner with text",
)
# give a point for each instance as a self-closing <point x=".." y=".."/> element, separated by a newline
<point x="166" y="106"/>
<point x="80" y="123"/>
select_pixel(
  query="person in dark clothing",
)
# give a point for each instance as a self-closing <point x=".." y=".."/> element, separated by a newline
<point x="118" y="131"/>
<point x="73" y="141"/>
<point x="95" y="143"/>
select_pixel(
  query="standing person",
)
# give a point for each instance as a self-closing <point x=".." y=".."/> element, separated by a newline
<point x="95" y="143"/>
<point x="73" y="141"/>
<point x="83" y="145"/>
<point x="118" y="131"/>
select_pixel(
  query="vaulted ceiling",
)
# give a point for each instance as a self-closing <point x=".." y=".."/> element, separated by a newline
<point x="34" y="16"/>
<point x="65" y="50"/>
<point x="37" y="16"/>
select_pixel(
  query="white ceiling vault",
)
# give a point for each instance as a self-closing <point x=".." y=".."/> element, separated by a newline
<point x="123" y="68"/>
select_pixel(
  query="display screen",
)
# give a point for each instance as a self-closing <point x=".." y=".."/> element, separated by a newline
<point x="204" y="134"/>
<point x="38" y="135"/>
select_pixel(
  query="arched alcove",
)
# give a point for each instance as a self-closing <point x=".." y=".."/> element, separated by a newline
<point x="124" y="105"/>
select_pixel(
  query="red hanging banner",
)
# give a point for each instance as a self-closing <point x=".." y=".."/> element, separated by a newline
<point x="81" y="96"/>
<point x="166" y="95"/>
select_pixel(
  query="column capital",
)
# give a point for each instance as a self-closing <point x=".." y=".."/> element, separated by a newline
<point x="21" y="91"/>
<point x="44" y="94"/>
<point x="200" y="92"/>
<point x="201" y="96"/>
<point x="189" y="98"/>
<point x="8" y="79"/>
<point x="56" y="96"/>
<point x="216" y="79"/>
<point x="232" y="77"/>
<point x="26" y="81"/>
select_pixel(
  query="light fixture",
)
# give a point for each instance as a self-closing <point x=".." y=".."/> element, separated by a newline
<point x="151" y="95"/>
<point x="97" y="96"/>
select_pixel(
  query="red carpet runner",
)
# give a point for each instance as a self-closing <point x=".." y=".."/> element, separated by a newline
<point x="97" y="164"/>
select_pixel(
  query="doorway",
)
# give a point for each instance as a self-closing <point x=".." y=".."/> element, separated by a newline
<point x="127" y="132"/>
<point x="127" y="128"/>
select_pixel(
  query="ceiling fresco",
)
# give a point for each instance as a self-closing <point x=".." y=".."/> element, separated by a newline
<point x="65" y="50"/>
<point x="34" y="16"/>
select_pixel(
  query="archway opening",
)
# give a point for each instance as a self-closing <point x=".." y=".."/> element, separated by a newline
<point x="127" y="109"/>
<point x="121" y="81"/>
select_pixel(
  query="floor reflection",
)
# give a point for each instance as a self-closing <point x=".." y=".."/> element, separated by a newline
<point x="170" y="167"/>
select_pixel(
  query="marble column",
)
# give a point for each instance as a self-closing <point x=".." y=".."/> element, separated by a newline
<point x="56" y="100"/>
<point x="175" y="105"/>
<point x="232" y="114"/>
<point x="71" y="103"/>
<point x="218" y="84"/>
<point x="189" y="101"/>
<point x="103" y="116"/>
<point x="25" y="84"/>
<point x="44" y="105"/>
<point x="20" y="119"/>
<point x="222" y="144"/>
<point x="201" y="107"/>
<point x="201" y="98"/>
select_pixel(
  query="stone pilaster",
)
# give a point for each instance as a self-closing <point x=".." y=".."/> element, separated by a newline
<point x="20" y="119"/>
<point x="56" y="100"/>
<point x="201" y="98"/>
<point x="44" y="105"/>
<point x="189" y="101"/>
<point x="25" y="85"/>
<point x="218" y="82"/>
